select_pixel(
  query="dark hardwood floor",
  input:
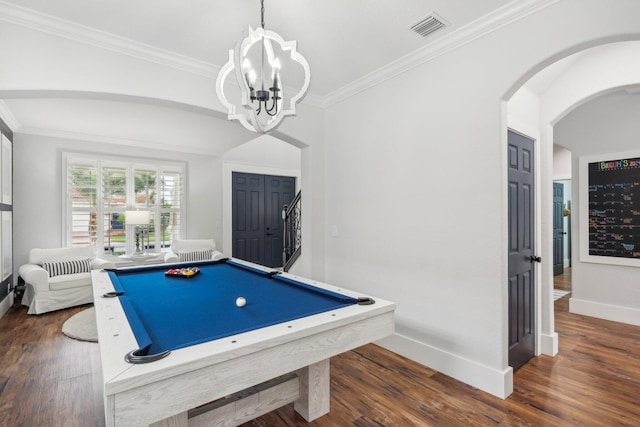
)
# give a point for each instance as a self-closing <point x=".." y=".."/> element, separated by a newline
<point x="563" y="281"/>
<point x="47" y="379"/>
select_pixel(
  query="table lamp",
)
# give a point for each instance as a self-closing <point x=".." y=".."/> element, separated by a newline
<point x="137" y="218"/>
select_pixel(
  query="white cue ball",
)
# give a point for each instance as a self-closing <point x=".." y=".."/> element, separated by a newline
<point x="241" y="302"/>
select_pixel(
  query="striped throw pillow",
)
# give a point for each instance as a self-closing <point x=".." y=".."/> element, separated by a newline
<point x="195" y="255"/>
<point x="58" y="268"/>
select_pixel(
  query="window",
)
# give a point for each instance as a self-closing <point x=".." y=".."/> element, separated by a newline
<point x="100" y="190"/>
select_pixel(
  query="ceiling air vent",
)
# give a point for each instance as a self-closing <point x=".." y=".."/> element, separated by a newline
<point x="428" y="25"/>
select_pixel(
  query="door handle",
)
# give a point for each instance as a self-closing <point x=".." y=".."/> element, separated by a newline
<point x="535" y="259"/>
<point x="269" y="234"/>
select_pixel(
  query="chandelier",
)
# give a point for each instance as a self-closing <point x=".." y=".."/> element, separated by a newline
<point x="258" y="99"/>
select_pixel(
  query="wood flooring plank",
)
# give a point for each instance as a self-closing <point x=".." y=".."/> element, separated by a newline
<point x="47" y="379"/>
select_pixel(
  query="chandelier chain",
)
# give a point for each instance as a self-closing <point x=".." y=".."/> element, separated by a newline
<point x="262" y="13"/>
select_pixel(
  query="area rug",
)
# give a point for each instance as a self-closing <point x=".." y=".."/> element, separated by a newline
<point x="557" y="294"/>
<point x="82" y="326"/>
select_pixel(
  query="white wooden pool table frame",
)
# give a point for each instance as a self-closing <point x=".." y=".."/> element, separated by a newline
<point x="166" y="392"/>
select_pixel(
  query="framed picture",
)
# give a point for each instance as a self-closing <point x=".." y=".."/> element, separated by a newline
<point x="610" y="209"/>
<point x="7" y="196"/>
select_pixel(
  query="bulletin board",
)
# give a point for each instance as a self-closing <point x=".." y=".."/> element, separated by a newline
<point x="610" y="209"/>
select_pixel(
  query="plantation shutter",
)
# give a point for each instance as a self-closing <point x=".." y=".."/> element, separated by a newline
<point x="82" y="203"/>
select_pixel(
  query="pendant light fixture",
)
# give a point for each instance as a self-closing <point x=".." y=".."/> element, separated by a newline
<point x="258" y="63"/>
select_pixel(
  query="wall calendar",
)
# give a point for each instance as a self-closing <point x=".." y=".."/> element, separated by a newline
<point x="613" y="213"/>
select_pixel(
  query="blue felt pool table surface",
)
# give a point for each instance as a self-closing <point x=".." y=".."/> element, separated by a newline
<point x="168" y="312"/>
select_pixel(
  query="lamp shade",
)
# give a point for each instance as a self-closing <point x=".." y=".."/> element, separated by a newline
<point x="137" y="217"/>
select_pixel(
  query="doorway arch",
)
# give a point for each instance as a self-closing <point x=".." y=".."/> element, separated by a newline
<point x="576" y="77"/>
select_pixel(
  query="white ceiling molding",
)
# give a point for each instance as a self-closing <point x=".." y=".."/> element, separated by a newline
<point x="82" y="34"/>
<point x="497" y="19"/>
<point x="8" y="117"/>
<point x="106" y="139"/>
<point x="505" y="15"/>
<point x="313" y="100"/>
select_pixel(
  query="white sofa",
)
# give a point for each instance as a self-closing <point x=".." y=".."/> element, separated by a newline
<point x="59" y="278"/>
<point x="192" y="250"/>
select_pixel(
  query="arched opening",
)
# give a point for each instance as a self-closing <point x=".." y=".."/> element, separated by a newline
<point x="123" y="120"/>
<point x="563" y="96"/>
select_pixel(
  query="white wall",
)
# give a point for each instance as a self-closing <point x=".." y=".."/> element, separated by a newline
<point x="416" y="188"/>
<point x="41" y="61"/>
<point x="307" y="131"/>
<point x="265" y="151"/>
<point x="605" y="125"/>
<point x="38" y="190"/>
<point x="523" y="113"/>
<point x="561" y="163"/>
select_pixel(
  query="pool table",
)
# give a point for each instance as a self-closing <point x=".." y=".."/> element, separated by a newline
<point x="177" y="349"/>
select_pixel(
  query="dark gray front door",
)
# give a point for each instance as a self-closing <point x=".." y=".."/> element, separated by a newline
<point x="558" y="228"/>
<point x="521" y="247"/>
<point x="257" y="202"/>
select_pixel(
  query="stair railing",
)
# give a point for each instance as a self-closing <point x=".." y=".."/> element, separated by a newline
<point x="292" y="216"/>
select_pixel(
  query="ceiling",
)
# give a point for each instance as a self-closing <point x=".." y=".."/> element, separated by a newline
<point x="362" y="36"/>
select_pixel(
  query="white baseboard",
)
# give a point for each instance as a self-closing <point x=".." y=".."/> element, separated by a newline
<point x="549" y="344"/>
<point x="615" y="313"/>
<point x="6" y="304"/>
<point x="495" y="382"/>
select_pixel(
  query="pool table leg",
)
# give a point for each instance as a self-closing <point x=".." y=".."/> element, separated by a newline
<point x="314" y="397"/>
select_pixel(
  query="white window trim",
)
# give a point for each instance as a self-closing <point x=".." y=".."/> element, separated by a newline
<point x="130" y="163"/>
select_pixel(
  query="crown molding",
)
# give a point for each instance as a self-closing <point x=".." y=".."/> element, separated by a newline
<point x="313" y="100"/>
<point x="507" y="14"/>
<point x="48" y="24"/>
<point x="42" y="22"/>
<point x="112" y="140"/>
<point x="8" y="116"/>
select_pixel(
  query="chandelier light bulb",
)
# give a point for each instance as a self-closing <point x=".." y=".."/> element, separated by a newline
<point x="246" y="65"/>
